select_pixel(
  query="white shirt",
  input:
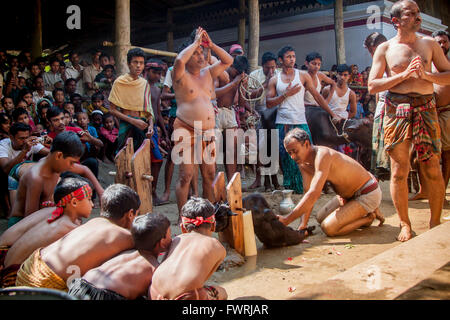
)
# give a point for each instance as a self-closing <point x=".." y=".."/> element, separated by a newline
<point x="50" y="79"/>
<point x="292" y="109"/>
<point x="37" y="97"/>
<point x="168" y="79"/>
<point x="71" y="72"/>
<point x="7" y="151"/>
<point x="339" y="104"/>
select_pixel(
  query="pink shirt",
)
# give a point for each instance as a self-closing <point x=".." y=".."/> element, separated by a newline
<point x="110" y="135"/>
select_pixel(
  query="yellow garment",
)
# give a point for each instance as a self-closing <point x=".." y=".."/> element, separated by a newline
<point x="90" y="108"/>
<point x="35" y="273"/>
<point x="133" y="95"/>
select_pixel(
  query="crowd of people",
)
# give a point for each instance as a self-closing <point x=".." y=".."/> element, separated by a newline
<point x="57" y="125"/>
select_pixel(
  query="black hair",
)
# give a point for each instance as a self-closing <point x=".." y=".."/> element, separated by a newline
<point x="374" y="39"/>
<point x="17" y="112"/>
<point x="69" y="144"/>
<point x="23" y="92"/>
<point x="68" y="81"/>
<point x="283" y="51"/>
<point x="104" y="55"/>
<point x="117" y="200"/>
<point x="68" y="185"/>
<point x="66" y="112"/>
<point x="342" y="68"/>
<point x="55" y="91"/>
<point x="107" y="115"/>
<point x="80" y="113"/>
<point x="97" y="96"/>
<point x="53" y="60"/>
<point x="441" y="33"/>
<point x="4" y="118"/>
<point x="313" y="56"/>
<point x="109" y="66"/>
<point x="62" y="64"/>
<point x="53" y="112"/>
<point x="74" y="95"/>
<point x="4" y="99"/>
<point x="298" y="134"/>
<point x="268" y="56"/>
<point x="147" y="230"/>
<point x="71" y="53"/>
<point x="240" y="63"/>
<point x="135" y="52"/>
<point x="37" y="77"/>
<point x="18" y="126"/>
<point x="197" y="207"/>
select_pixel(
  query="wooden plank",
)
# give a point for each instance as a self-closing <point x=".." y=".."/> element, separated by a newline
<point x="234" y="234"/>
<point x="141" y="164"/>
<point x="123" y="164"/>
<point x="220" y="192"/>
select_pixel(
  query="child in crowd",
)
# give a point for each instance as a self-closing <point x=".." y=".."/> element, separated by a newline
<point x="97" y="120"/>
<point x="83" y="122"/>
<point x="5" y="124"/>
<point x="73" y="202"/>
<point x="41" y="117"/>
<point x="108" y="134"/>
<point x="8" y="105"/>
<point x="193" y="257"/>
<point x="162" y="144"/>
<point x="68" y="120"/>
<point x="97" y="103"/>
<point x="58" y="97"/>
<point x="128" y="275"/>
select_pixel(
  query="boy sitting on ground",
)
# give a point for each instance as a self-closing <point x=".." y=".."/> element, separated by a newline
<point x="193" y="257"/>
<point x="37" y="184"/>
<point x="87" y="246"/>
<point x="129" y="274"/>
<point x="73" y="202"/>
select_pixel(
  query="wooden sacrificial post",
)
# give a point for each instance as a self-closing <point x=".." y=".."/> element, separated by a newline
<point x="134" y="170"/>
<point x="232" y="193"/>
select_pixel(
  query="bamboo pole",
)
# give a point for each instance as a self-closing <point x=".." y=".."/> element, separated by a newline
<point x="253" y="34"/>
<point x="339" y="31"/>
<point x="36" y="42"/>
<point x="147" y="50"/>
<point x="241" y="26"/>
<point x="122" y="44"/>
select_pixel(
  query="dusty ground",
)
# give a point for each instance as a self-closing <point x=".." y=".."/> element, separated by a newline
<point x="280" y="273"/>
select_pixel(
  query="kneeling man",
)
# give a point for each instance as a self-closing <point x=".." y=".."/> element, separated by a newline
<point x="358" y="194"/>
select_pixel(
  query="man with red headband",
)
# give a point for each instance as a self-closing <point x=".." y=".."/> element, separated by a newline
<point x="73" y="197"/>
<point x="193" y="257"/>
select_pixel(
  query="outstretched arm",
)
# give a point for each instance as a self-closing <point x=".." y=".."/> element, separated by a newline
<point x="87" y="173"/>
<point x="306" y="204"/>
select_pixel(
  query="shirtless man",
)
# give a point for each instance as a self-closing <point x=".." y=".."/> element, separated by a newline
<point x="194" y="88"/>
<point x="130" y="102"/>
<point x="129" y="274"/>
<point x="443" y="109"/>
<point x="192" y="258"/>
<point x="358" y="193"/>
<point x="73" y="198"/>
<point x="407" y="60"/>
<point x="37" y="184"/>
<point x="86" y="247"/>
<point x="229" y="100"/>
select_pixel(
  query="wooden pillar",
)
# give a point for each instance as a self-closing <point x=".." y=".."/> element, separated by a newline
<point x="123" y="43"/>
<point x="241" y="27"/>
<point x="339" y="31"/>
<point x="170" y="30"/>
<point x="36" y="42"/>
<point x="253" y="34"/>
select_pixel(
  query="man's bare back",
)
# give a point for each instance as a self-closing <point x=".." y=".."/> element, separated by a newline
<point x="191" y="260"/>
<point x="86" y="247"/>
<point x="35" y="187"/>
<point x="39" y="236"/>
<point x="128" y="274"/>
<point x="345" y="174"/>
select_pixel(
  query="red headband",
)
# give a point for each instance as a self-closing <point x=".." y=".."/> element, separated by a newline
<point x="198" y="221"/>
<point x="79" y="194"/>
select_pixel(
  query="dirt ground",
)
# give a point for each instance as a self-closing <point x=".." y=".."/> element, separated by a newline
<point x="283" y="272"/>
